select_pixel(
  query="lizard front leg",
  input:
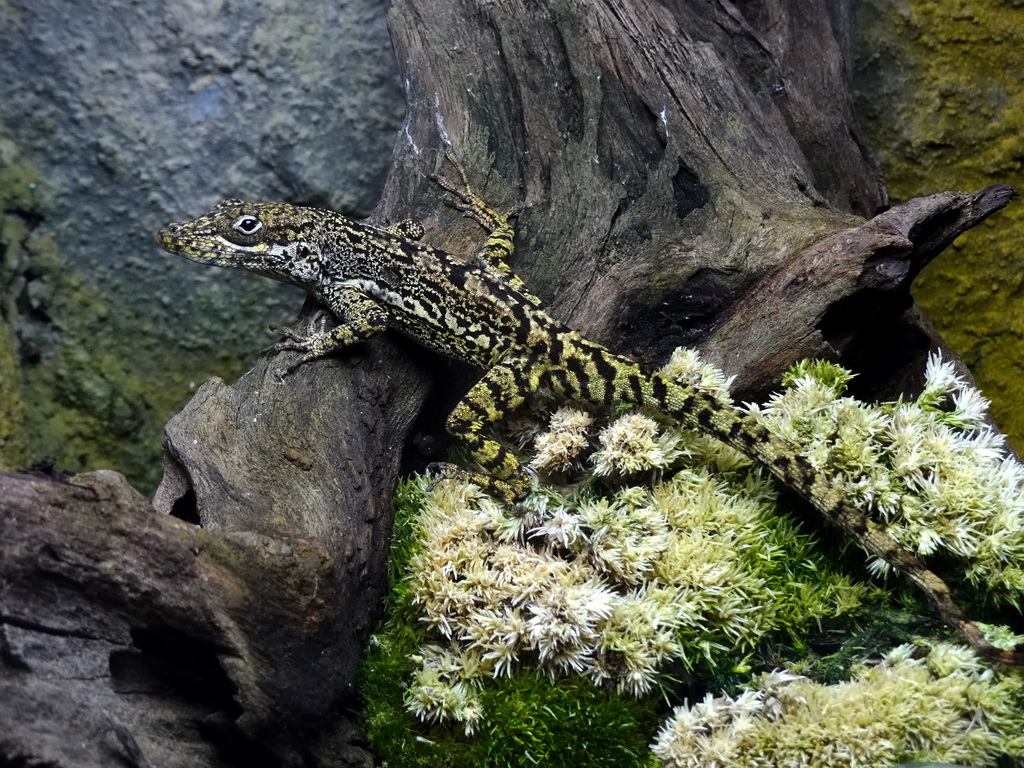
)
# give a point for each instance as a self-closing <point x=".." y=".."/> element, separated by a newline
<point x="407" y="228"/>
<point x="362" y="317"/>
<point x="498" y="393"/>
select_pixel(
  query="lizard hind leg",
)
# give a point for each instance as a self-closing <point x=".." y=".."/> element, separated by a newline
<point x="497" y="250"/>
<point x="502" y="389"/>
<point x="466" y="200"/>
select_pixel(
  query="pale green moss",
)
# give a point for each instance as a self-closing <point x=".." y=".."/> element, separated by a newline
<point x="672" y="556"/>
<point x="943" y="706"/>
<point x="611" y="588"/>
<point x="930" y="471"/>
<point x="531" y="720"/>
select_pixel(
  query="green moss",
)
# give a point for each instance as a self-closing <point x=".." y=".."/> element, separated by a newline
<point x="512" y="628"/>
<point x="13" y="447"/>
<point x="531" y="718"/>
<point x="941" y="95"/>
<point x="570" y="722"/>
<point x="897" y="616"/>
<point x="943" y="705"/>
<point x="531" y="721"/>
<point x="21" y="189"/>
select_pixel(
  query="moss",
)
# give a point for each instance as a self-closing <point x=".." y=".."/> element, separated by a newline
<point x="13" y="448"/>
<point x="941" y="95"/>
<point x="677" y="560"/>
<point x="943" y="705"/>
<point x="739" y="571"/>
<point x="929" y="471"/>
<point x="21" y="190"/>
<point x="531" y="721"/>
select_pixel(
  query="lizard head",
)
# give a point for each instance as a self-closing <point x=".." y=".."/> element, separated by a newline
<point x="276" y="240"/>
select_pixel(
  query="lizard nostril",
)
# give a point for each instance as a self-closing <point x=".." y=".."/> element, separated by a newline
<point x="170" y="232"/>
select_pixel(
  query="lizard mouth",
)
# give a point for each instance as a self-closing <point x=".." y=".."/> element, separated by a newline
<point x="193" y="250"/>
<point x="174" y="239"/>
<point x="169" y="240"/>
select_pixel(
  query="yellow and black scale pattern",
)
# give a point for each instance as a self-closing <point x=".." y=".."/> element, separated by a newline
<point x="480" y="312"/>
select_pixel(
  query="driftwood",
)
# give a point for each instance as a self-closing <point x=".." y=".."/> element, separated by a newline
<point x="692" y="175"/>
<point x="120" y="622"/>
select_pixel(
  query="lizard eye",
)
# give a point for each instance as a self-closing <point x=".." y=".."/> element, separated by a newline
<point x="247" y="225"/>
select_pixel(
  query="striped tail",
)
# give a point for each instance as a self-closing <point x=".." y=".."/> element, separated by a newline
<point x="698" y="410"/>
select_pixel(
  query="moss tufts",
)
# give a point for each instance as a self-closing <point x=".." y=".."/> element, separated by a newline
<point x="673" y="563"/>
<point x="531" y="721"/>
<point x="942" y="706"/>
<point x="931" y="471"/>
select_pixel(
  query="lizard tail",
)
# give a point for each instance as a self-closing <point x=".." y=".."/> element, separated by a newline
<point x="699" y="410"/>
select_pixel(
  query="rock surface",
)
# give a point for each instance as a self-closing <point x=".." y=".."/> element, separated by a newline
<point x="941" y="99"/>
<point x="115" y="119"/>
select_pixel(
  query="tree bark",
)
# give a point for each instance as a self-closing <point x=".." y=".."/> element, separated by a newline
<point x="692" y="174"/>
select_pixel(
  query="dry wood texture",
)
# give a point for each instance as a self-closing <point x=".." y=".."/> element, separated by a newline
<point x="693" y="176"/>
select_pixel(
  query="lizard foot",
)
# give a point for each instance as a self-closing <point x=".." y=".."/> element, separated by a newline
<point x="509" y="491"/>
<point x="466" y="200"/>
<point x="314" y="346"/>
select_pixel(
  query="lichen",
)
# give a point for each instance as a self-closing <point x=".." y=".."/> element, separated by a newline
<point x="97" y="392"/>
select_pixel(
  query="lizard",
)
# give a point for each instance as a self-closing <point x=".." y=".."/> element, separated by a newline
<point x="479" y="311"/>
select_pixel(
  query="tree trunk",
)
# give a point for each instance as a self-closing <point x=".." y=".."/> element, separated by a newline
<point x="692" y="175"/>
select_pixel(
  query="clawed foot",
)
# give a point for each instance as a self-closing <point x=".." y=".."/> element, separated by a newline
<point x="466" y="200"/>
<point x="507" y="491"/>
<point x="313" y="345"/>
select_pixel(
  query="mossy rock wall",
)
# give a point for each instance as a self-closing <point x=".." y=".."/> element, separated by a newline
<point x="114" y="120"/>
<point x="941" y="97"/>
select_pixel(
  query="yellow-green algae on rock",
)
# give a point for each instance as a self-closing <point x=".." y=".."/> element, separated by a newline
<point x="941" y="96"/>
<point x="20" y="188"/>
<point x="83" y="378"/>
